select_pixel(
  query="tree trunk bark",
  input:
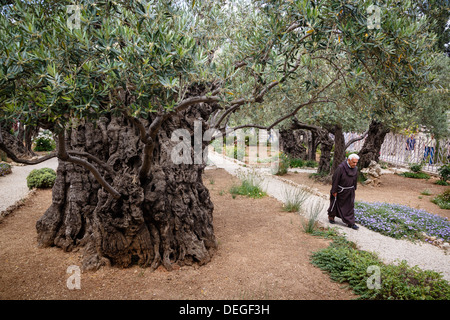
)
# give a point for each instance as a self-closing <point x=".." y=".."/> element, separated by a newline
<point x="318" y="136"/>
<point x="312" y="145"/>
<point x="326" y="145"/>
<point x="372" y="145"/>
<point x="15" y="144"/>
<point x="291" y="143"/>
<point x="163" y="219"/>
<point x="30" y="133"/>
<point x="339" y="146"/>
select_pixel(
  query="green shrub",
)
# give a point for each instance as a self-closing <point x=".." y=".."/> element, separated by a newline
<point x="283" y="165"/>
<point x="5" y="169"/>
<point x="3" y="156"/>
<point x="443" y="200"/>
<point x="416" y="171"/>
<point x="442" y="183"/>
<point x="345" y="263"/>
<point x="311" y="164"/>
<point x="416" y="167"/>
<point x="41" y="178"/>
<point x="44" y="142"/>
<point x="235" y="152"/>
<point x="296" y="163"/>
<point x="444" y="172"/>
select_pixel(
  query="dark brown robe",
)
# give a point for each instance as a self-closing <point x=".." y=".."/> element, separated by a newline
<point x="344" y="182"/>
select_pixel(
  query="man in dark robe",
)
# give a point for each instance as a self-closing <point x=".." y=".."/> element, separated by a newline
<point x="342" y="194"/>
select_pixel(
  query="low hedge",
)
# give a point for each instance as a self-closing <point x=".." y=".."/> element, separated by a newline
<point x="41" y="178"/>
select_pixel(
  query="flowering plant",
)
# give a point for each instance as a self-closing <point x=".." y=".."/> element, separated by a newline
<point x="5" y="169"/>
<point x="401" y="222"/>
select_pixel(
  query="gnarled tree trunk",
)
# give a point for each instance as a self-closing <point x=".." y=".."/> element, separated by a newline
<point x="165" y="218"/>
<point x="372" y="145"/>
<point x="16" y="144"/>
<point x="339" y="146"/>
<point x="318" y="136"/>
<point x="326" y="145"/>
<point x="291" y="143"/>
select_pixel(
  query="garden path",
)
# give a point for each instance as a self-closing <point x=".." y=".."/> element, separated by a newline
<point x="13" y="187"/>
<point x="390" y="250"/>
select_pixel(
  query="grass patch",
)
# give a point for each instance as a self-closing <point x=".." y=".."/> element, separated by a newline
<point x="416" y="175"/>
<point x="250" y="186"/>
<point x="401" y="222"/>
<point x="371" y="279"/>
<point x="309" y="224"/>
<point x="416" y="171"/>
<point x="442" y="183"/>
<point x="294" y="198"/>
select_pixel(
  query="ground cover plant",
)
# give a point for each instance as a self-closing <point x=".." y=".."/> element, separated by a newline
<point x="401" y="222"/>
<point x="346" y="264"/>
<point x="416" y="172"/>
<point x="444" y="174"/>
<point x="442" y="200"/>
<point x="250" y="187"/>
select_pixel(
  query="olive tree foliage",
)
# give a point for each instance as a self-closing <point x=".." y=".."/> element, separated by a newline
<point x="382" y="68"/>
<point x="433" y="106"/>
<point x="141" y="57"/>
<point x="378" y="73"/>
<point x="117" y="83"/>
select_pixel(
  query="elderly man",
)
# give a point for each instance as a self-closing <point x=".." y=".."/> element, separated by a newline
<point x="342" y="194"/>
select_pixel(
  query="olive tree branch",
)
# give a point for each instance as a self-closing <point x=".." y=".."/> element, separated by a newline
<point x="64" y="155"/>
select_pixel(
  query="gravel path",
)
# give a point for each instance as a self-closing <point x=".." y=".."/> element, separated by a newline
<point x="13" y="187"/>
<point x="390" y="250"/>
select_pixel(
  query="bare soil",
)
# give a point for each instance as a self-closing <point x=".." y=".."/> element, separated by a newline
<point x="262" y="254"/>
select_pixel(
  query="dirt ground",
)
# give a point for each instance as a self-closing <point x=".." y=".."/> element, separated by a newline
<point x="262" y="253"/>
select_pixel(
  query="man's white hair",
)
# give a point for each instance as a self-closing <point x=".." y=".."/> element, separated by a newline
<point x="353" y="156"/>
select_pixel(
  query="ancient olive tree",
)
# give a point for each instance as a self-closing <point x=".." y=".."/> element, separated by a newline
<point x="123" y="83"/>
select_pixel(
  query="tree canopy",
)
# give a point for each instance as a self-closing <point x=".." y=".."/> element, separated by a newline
<point x="63" y="63"/>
